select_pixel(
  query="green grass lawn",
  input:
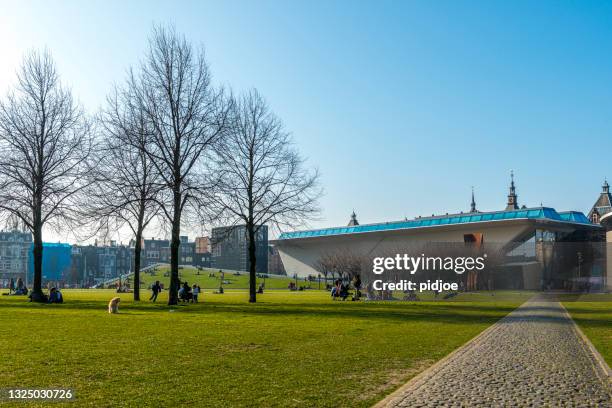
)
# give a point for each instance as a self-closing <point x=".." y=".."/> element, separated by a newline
<point x="233" y="281"/>
<point x="289" y="349"/>
<point x="593" y="314"/>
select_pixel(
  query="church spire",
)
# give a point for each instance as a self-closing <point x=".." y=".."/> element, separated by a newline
<point x="606" y="186"/>
<point x="473" y="203"/>
<point x="512" y="197"/>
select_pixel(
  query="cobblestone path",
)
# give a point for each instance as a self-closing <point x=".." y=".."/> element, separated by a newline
<point x="532" y="357"/>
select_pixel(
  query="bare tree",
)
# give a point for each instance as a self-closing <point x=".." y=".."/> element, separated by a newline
<point x="127" y="187"/>
<point x="262" y="179"/>
<point x="44" y="145"/>
<point x="186" y="116"/>
<point x="326" y="265"/>
<point x="344" y="263"/>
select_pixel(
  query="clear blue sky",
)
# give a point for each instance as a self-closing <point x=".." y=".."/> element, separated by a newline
<point x="402" y="105"/>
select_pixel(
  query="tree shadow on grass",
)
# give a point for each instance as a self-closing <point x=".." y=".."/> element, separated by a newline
<point x="451" y="313"/>
<point x="399" y="312"/>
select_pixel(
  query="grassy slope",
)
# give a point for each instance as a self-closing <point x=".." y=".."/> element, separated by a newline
<point x="593" y="313"/>
<point x="291" y="349"/>
<point x="205" y="281"/>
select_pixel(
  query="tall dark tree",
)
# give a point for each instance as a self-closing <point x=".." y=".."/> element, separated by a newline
<point x="186" y="116"/>
<point x="127" y="187"/>
<point x="261" y="176"/>
<point x="44" y="146"/>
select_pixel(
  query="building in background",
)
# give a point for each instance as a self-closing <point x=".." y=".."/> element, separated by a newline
<point x="230" y="248"/>
<point x="275" y="263"/>
<point x="125" y="259"/>
<point x="91" y="264"/>
<point x="202" y="256"/>
<point x="153" y="251"/>
<point x="77" y="267"/>
<point x="87" y="265"/>
<point x="56" y="262"/>
<point x="186" y="252"/>
<point x="114" y="260"/>
<point x="107" y="262"/>
<point x="202" y="245"/>
<point x="84" y="266"/>
<point x="15" y="248"/>
<point x="202" y="260"/>
<point x="530" y="248"/>
<point x="603" y="205"/>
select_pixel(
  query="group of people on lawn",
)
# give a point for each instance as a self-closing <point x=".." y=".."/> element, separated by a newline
<point x="189" y="293"/>
<point x="186" y="293"/>
<point x="340" y="290"/>
<point x="19" y="289"/>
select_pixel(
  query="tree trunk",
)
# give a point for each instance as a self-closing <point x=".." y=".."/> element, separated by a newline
<point x="174" y="251"/>
<point x="252" y="263"/>
<point x="137" y="252"/>
<point x="37" y="294"/>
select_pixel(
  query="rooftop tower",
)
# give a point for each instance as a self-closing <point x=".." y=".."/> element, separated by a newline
<point x="473" y="203"/>
<point x="603" y="205"/>
<point x="512" y="197"/>
<point x="353" y="220"/>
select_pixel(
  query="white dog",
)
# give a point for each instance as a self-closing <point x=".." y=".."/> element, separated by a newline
<point x="113" y="305"/>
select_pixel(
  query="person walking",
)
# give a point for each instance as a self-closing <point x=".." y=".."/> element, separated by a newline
<point x="11" y="286"/>
<point x="156" y="288"/>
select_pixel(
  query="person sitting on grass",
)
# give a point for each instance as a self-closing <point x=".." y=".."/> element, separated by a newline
<point x="344" y="292"/>
<point x="55" y="296"/>
<point x="21" y="288"/>
<point x="335" y="292"/>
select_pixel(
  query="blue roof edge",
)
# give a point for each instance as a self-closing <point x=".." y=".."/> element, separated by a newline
<point x="545" y="213"/>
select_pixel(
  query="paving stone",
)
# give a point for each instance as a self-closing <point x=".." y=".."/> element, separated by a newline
<point x="532" y="357"/>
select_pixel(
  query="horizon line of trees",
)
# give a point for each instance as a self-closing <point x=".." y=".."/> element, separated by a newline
<point x="168" y="147"/>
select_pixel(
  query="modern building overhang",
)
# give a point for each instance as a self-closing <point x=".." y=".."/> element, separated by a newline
<point x="606" y="221"/>
<point x="542" y="216"/>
